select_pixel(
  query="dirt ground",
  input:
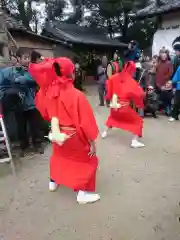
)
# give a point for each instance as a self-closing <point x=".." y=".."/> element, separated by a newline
<point x="140" y="191"/>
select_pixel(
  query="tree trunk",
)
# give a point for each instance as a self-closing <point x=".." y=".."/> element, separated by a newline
<point x="3" y="4"/>
<point x="125" y="26"/>
<point x="22" y="13"/>
<point x="110" y="30"/>
<point x="36" y="25"/>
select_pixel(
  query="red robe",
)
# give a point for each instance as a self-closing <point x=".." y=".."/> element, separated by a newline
<point x="127" y="90"/>
<point x="70" y="164"/>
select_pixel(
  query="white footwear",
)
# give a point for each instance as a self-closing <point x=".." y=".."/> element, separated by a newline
<point x="136" y="144"/>
<point x="86" y="197"/>
<point x="52" y="186"/>
<point x="171" y="119"/>
<point x="104" y="134"/>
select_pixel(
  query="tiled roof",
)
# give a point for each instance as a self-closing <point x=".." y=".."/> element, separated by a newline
<point x="152" y="10"/>
<point x="13" y="25"/>
<point x="72" y="33"/>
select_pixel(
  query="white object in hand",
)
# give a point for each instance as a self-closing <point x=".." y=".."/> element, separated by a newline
<point x="56" y="135"/>
<point x="59" y="138"/>
<point x="114" y="103"/>
<point x="50" y="136"/>
<point x="138" y="65"/>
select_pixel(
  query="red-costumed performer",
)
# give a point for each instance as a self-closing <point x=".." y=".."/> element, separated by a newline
<point x="122" y="89"/>
<point x="73" y="128"/>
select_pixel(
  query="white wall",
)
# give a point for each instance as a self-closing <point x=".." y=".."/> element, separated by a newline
<point x="163" y="36"/>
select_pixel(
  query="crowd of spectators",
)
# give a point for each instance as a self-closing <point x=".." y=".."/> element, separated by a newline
<point x="158" y="75"/>
<point x="17" y="95"/>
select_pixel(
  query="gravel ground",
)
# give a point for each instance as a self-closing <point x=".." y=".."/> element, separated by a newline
<point x="140" y="191"/>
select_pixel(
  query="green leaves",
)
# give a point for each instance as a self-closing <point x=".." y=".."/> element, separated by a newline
<point x="112" y="15"/>
<point x="54" y="9"/>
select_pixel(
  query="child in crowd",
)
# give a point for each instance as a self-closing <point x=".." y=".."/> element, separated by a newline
<point x="166" y="97"/>
<point x="151" y="102"/>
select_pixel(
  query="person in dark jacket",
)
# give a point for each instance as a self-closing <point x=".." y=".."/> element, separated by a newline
<point x="102" y="78"/>
<point x="133" y="53"/>
<point x="78" y="82"/>
<point x="151" y="101"/>
<point x="17" y="92"/>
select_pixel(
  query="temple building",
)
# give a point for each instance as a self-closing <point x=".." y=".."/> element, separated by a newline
<point x="168" y="16"/>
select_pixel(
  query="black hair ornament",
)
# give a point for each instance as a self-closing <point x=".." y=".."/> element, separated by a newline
<point x="57" y="69"/>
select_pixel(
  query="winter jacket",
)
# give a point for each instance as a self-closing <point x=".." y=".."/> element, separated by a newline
<point x="176" y="79"/>
<point x="102" y="75"/>
<point x="163" y="73"/>
<point x="19" y="79"/>
<point x="176" y="64"/>
<point x="151" y="101"/>
<point x="132" y="54"/>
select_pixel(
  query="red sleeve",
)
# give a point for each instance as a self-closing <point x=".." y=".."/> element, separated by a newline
<point x="37" y="68"/>
<point x="111" y="86"/>
<point x="52" y="108"/>
<point x="47" y="108"/>
<point x="137" y="94"/>
<point x="109" y="91"/>
<point x="33" y="70"/>
<point x="41" y="105"/>
<point x="87" y="119"/>
<point x="42" y="72"/>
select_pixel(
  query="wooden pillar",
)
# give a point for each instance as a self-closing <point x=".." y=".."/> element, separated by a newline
<point x="6" y="51"/>
<point x="3" y="37"/>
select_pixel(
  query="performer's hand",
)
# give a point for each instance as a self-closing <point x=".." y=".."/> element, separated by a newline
<point x="59" y="138"/>
<point x="62" y="138"/>
<point x="114" y="102"/>
<point x="115" y="106"/>
<point x="92" y="151"/>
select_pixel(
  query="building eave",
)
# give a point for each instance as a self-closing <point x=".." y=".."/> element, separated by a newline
<point x="153" y="11"/>
<point x="74" y="34"/>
